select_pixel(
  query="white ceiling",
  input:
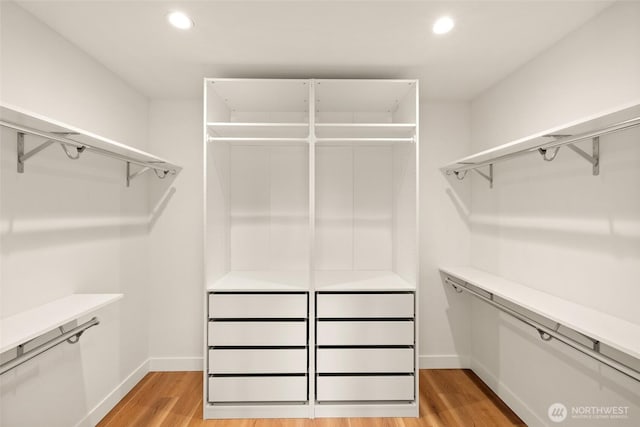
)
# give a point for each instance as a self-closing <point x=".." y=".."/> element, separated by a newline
<point x="382" y="39"/>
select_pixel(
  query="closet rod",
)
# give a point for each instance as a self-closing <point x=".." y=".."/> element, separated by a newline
<point x="562" y="141"/>
<point x="547" y="333"/>
<point x="62" y="140"/>
<point x="66" y="336"/>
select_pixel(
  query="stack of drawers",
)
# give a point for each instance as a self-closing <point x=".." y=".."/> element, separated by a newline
<point x="258" y="347"/>
<point x="365" y="346"/>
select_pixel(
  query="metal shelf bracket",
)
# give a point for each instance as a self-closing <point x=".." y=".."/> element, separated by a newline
<point x="23" y="157"/>
<point x="162" y="174"/>
<point x="489" y="176"/>
<point x="594" y="158"/>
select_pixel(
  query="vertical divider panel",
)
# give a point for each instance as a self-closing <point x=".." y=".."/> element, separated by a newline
<point x="311" y="373"/>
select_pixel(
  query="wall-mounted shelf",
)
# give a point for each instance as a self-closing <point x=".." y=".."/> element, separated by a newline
<point x="596" y="327"/>
<point x="548" y="142"/>
<point x="23" y="327"/>
<point x="75" y="141"/>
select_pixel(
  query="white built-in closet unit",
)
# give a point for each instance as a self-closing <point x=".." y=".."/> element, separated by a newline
<point x="310" y="248"/>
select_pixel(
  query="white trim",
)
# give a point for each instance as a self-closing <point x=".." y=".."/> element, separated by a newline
<point x="257" y="411"/>
<point x="112" y="399"/>
<point x="444" y="361"/>
<point x="175" y="364"/>
<point x="365" y="410"/>
<point x="516" y="404"/>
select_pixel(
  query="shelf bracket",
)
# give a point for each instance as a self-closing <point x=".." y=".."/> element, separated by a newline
<point x="594" y="158"/>
<point x="132" y="176"/>
<point x="162" y="174"/>
<point x="488" y="177"/>
<point x="23" y="157"/>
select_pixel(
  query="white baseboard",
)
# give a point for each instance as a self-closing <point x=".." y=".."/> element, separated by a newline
<point x="169" y="364"/>
<point x="111" y="400"/>
<point x="444" y="361"/>
<point x="509" y="397"/>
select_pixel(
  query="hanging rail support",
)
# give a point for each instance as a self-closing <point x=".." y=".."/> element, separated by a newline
<point x="131" y="176"/>
<point x="65" y="337"/>
<point x="22" y="156"/>
<point x="593" y="159"/>
<point x="488" y="177"/>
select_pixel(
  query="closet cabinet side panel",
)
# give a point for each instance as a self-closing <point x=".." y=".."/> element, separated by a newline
<point x="404" y="214"/>
<point x="334" y="208"/>
<point x="217" y="211"/>
<point x="373" y="208"/>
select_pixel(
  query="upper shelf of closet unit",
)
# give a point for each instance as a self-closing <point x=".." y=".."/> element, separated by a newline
<point x="530" y="144"/>
<point x="346" y="111"/>
<point x="617" y="333"/>
<point x="27" y="325"/>
<point x="13" y="115"/>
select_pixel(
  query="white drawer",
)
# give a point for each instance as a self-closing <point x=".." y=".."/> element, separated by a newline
<point x="340" y="388"/>
<point x="257" y="389"/>
<point x="365" y="333"/>
<point x="257" y="333"/>
<point x="360" y="360"/>
<point x="364" y="305"/>
<point x="258" y="361"/>
<point x="254" y="306"/>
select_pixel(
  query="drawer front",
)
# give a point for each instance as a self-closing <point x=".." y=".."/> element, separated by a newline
<point x="360" y="360"/>
<point x="365" y="333"/>
<point x="258" y="334"/>
<point x="257" y="389"/>
<point x="364" y="305"/>
<point x="332" y="388"/>
<point x="254" y="306"/>
<point x="258" y="361"/>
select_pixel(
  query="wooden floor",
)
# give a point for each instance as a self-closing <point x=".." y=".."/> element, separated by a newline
<point x="448" y="397"/>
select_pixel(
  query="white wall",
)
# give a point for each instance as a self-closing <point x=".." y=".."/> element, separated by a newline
<point x="444" y="235"/>
<point x="70" y="226"/>
<point x="554" y="226"/>
<point x="176" y="243"/>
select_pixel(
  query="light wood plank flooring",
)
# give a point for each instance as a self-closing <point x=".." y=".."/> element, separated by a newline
<point x="448" y="398"/>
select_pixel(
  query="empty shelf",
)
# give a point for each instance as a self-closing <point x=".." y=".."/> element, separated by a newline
<point x="258" y="130"/>
<point x="267" y="280"/>
<point x="360" y="280"/>
<point x="30" y="324"/>
<point x="612" y="331"/>
<point x="45" y="128"/>
<point x="626" y="113"/>
<point x="365" y="130"/>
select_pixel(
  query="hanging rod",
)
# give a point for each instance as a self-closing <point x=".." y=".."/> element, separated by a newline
<point x="65" y="336"/>
<point x="557" y="143"/>
<point x="546" y="333"/>
<point x="51" y="137"/>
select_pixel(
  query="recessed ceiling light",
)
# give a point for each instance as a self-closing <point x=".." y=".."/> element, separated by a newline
<point x="180" y="20"/>
<point x="443" y="25"/>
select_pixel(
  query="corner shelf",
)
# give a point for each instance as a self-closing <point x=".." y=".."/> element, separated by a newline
<point x="596" y="326"/>
<point x="52" y="131"/>
<point x="23" y="327"/>
<point x="548" y="142"/>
